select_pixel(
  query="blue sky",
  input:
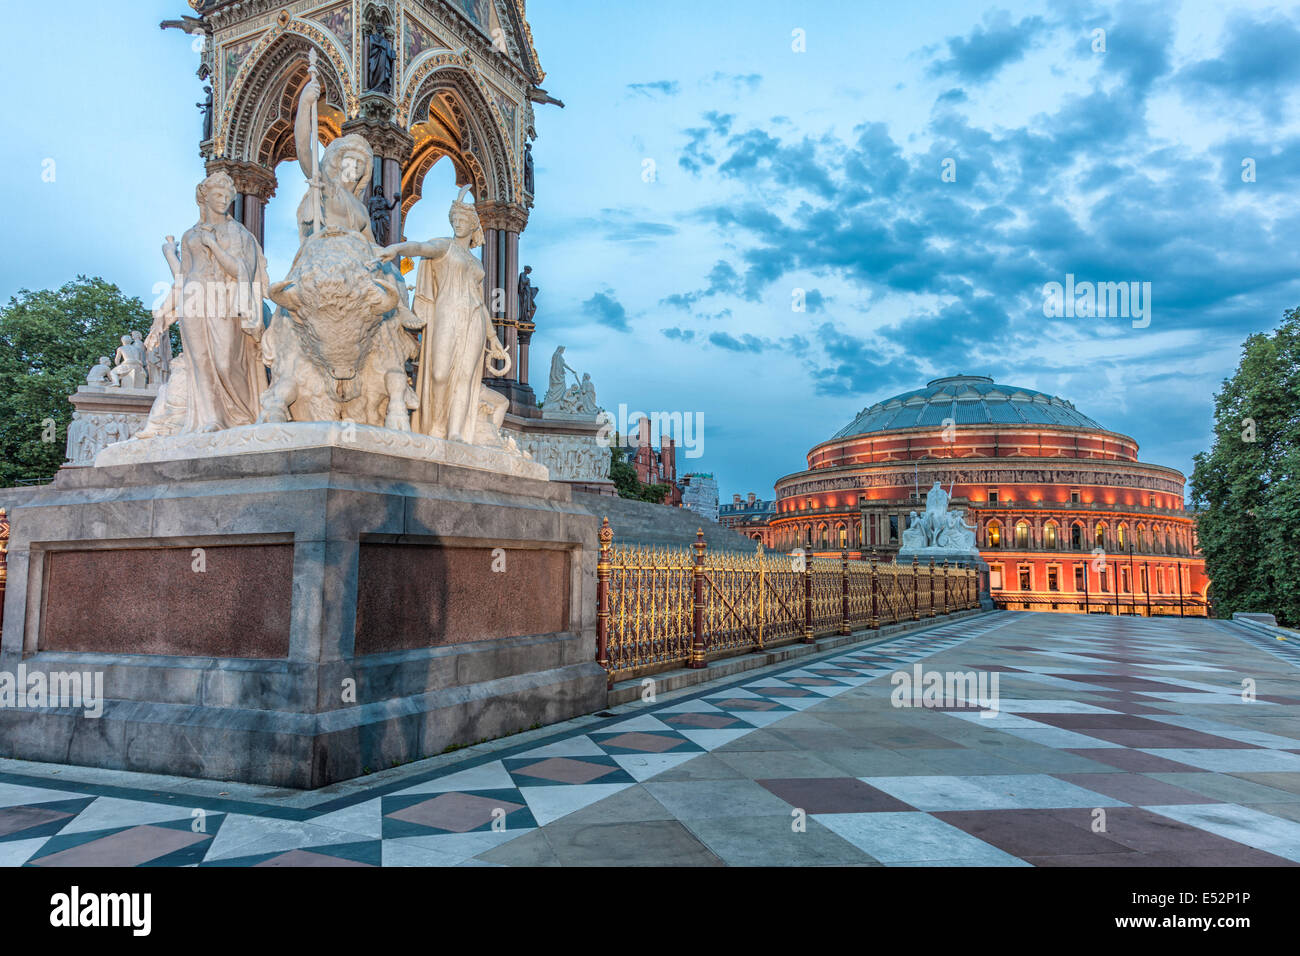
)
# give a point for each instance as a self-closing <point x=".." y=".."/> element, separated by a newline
<point x="777" y="170"/>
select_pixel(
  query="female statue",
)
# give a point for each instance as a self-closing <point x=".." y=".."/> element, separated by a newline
<point x="339" y="179"/>
<point x="457" y="331"/>
<point x="223" y="273"/>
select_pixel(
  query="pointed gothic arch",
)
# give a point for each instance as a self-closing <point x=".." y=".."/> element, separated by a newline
<point x="450" y="116"/>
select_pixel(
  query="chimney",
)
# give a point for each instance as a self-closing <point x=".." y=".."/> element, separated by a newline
<point x="735" y="499"/>
<point x="751" y="497"/>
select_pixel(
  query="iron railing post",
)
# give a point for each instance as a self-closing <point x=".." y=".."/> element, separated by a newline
<point x="933" y="611"/>
<point x="603" y="567"/>
<point x="697" y="637"/>
<point x="807" y="600"/>
<point x="875" y="592"/>
<point x="916" y="587"/>
<point x="844" y="593"/>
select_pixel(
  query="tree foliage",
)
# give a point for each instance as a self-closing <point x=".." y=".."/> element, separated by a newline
<point x="628" y="485"/>
<point x="48" y="342"/>
<point x="1244" y="488"/>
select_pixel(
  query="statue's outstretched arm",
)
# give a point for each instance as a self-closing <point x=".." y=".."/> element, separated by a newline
<point x="416" y="250"/>
<point x="304" y="136"/>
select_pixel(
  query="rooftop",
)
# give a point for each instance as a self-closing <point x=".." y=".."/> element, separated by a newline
<point x="967" y="400"/>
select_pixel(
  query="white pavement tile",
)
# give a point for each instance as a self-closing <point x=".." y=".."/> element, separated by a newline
<point x="550" y="803"/>
<point x="644" y="766"/>
<point x="364" y="819"/>
<point x="689" y="707"/>
<point x="488" y="776"/>
<point x="1060" y="738"/>
<point x="449" y="849"/>
<point x="1056" y="706"/>
<point x="15" y="795"/>
<point x="1246" y="825"/>
<point x="645" y="722"/>
<point x="903" y="837"/>
<point x="242" y="835"/>
<point x="1232" y="761"/>
<point x="108" y="812"/>
<point x="582" y="746"/>
<point x="713" y="739"/>
<point x="20" y="851"/>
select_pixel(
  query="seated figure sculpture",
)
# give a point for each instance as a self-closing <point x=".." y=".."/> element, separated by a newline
<point x="338" y="345"/>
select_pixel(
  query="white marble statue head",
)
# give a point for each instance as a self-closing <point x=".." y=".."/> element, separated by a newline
<point x="464" y="220"/>
<point x="348" y="161"/>
<point x="216" y="192"/>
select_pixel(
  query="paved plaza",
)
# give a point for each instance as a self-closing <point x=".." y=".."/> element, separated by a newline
<point x="1116" y="742"/>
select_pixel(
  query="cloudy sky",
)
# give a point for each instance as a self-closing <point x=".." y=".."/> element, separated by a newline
<point x="717" y="164"/>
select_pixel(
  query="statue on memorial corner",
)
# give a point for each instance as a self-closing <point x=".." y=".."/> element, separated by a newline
<point x="336" y="197"/>
<point x="129" y="372"/>
<point x="527" y="295"/>
<point x="206" y="108"/>
<point x="557" y="385"/>
<point x="379" y="63"/>
<point x="938" y="529"/>
<point x="914" y="538"/>
<point x="453" y="402"/>
<point x="381" y="214"/>
<point x="216" y="298"/>
<point x="98" y="375"/>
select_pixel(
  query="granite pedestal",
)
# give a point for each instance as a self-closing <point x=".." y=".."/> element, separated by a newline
<point x="299" y="617"/>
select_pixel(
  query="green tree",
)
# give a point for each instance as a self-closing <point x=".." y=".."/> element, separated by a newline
<point x="48" y="342"/>
<point x="628" y="485"/>
<point x="1244" y="488"/>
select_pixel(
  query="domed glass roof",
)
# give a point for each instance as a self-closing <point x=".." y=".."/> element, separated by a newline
<point x="967" y="400"/>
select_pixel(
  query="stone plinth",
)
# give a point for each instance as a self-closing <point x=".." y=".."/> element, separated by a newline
<point x="104" y="415"/>
<point x="573" y="449"/>
<point x="292" y="436"/>
<point x="299" y="617"/>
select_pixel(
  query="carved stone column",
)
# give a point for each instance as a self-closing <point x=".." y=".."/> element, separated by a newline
<point x="392" y="146"/>
<point x="502" y="224"/>
<point x="254" y="185"/>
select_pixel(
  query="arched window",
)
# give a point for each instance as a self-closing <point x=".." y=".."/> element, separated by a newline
<point x="1120" y="536"/>
<point x="1049" y="536"/>
<point x="844" y="537"/>
<point x="1099" y="537"/>
<point x="1139" y="535"/>
<point x="823" y="536"/>
<point x="1022" y="535"/>
<point x="807" y="535"/>
<point x="1076" y="536"/>
<point x="993" y="535"/>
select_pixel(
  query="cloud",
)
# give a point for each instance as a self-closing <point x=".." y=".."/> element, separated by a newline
<point x="1257" y="64"/>
<point x="979" y="56"/>
<point x="607" y="310"/>
<point x="657" y="88"/>
<point x="740" y="82"/>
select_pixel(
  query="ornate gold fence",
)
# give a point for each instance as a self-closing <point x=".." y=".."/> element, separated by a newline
<point x="665" y="607"/>
<point x="4" y="558"/>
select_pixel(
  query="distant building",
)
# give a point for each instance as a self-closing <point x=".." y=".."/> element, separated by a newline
<point x="1063" y="511"/>
<point x="749" y="516"/>
<point x="700" y="494"/>
<point x="654" y="467"/>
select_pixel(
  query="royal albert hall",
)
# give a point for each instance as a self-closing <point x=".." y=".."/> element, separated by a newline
<point x="1065" y="515"/>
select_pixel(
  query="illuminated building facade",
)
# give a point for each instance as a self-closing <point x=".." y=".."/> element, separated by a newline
<point x="1065" y="515"/>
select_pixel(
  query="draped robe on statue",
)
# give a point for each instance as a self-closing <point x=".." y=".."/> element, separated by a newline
<point x="449" y="298"/>
<point x="223" y="362"/>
